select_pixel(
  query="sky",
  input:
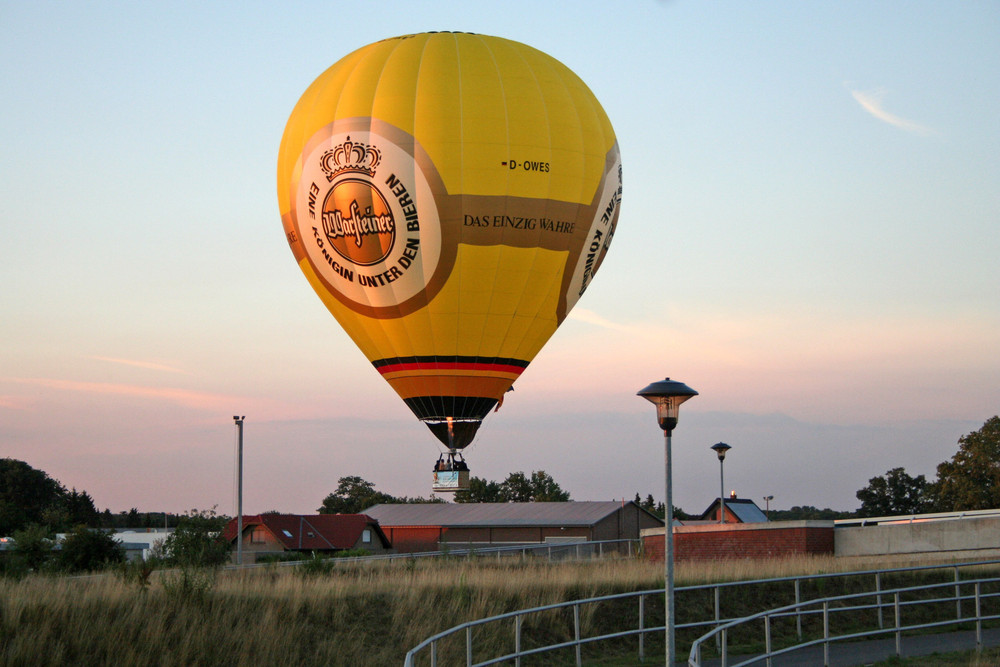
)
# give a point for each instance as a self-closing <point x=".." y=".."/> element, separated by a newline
<point x="809" y="235"/>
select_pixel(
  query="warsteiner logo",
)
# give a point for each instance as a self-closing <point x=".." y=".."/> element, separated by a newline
<point x="350" y="156"/>
<point x="356" y="203"/>
<point x="356" y="217"/>
<point x="365" y="238"/>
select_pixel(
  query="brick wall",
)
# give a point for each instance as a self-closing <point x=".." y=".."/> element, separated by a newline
<point x="743" y="540"/>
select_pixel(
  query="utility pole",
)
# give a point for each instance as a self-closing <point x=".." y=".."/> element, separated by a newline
<point x="239" y="492"/>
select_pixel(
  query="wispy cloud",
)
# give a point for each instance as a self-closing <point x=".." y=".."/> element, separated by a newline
<point x="150" y="365"/>
<point x="872" y="103"/>
<point x="590" y="317"/>
<point x="13" y="402"/>
<point x="192" y="399"/>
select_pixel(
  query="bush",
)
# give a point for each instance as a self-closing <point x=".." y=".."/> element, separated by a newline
<point x="86" y="550"/>
<point x="32" y="547"/>
<point x="198" y="541"/>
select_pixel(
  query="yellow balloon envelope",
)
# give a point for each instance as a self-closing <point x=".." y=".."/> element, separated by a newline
<point x="449" y="196"/>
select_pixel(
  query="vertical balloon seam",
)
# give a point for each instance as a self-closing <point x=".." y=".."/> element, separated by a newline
<point x="477" y="348"/>
<point x="425" y="404"/>
<point x="405" y="325"/>
<point x="377" y="334"/>
<point x="307" y="132"/>
<point x="586" y="199"/>
<point x="537" y="251"/>
<point x="469" y="403"/>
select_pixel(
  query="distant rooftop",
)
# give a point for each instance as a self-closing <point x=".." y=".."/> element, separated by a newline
<point x="458" y="515"/>
<point x="745" y="510"/>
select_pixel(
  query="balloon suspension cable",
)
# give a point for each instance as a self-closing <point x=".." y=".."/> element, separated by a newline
<point x="452" y="460"/>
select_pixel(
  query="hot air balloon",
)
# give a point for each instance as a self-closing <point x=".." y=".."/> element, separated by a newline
<point x="449" y="197"/>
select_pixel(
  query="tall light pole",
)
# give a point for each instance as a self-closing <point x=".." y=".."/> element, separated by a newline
<point x="668" y="395"/>
<point x="721" y="448"/>
<point x="767" y="505"/>
<point x="239" y="486"/>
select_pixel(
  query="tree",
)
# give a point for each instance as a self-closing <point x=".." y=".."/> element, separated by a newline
<point x="198" y="540"/>
<point x="544" y="489"/>
<point x="30" y="496"/>
<point x="893" y="494"/>
<point x="481" y="491"/>
<point x="25" y="495"/>
<point x="33" y="546"/>
<point x="517" y="488"/>
<point x="86" y="550"/>
<point x="971" y="479"/>
<point x="353" y="495"/>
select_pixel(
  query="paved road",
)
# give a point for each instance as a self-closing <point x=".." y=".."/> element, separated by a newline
<point x="856" y="654"/>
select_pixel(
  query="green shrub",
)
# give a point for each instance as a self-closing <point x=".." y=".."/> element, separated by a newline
<point x="87" y="550"/>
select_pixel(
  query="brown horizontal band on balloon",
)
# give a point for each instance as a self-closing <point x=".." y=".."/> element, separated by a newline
<point x="430" y="361"/>
<point x="457" y="372"/>
<point x="450" y="385"/>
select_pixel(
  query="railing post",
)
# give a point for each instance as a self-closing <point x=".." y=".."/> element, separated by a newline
<point x="718" y="616"/>
<point x="958" y="596"/>
<point x="899" y="633"/>
<point x="826" y="634"/>
<point x="468" y="646"/>
<point x="979" y="622"/>
<point x="517" y="640"/>
<point x="434" y="654"/>
<point x="576" y="631"/>
<point x="642" y="626"/>
<point x="878" y="588"/>
<point x="767" y="639"/>
<point x="798" y="608"/>
<point x="724" y="650"/>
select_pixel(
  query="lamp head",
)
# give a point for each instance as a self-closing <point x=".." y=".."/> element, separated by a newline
<point x="667" y="395"/>
<point x="720" y="449"/>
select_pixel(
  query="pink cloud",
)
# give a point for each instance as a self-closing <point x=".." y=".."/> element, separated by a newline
<point x="185" y="397"/>
<point x="149" y="365"/>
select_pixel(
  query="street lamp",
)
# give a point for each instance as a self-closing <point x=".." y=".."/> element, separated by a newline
<point x="239" y="494"/>
<point x="721" y="448"/>
<point x="668" y="395"/>
<point x="767" y="505"/>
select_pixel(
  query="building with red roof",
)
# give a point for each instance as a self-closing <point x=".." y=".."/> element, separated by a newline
<point x="274" y="534"/>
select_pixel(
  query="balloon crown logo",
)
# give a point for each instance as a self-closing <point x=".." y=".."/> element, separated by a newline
<point x="350" y="156"/>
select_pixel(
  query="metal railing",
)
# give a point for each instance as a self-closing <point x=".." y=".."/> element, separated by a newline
<point x="717" y="622"/>
<point x="830" y="607"/>
<point x="549" y="550"/>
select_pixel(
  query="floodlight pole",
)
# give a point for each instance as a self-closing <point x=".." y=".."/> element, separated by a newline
<point x="239" y="486"/>
<point x="667" y="395"/>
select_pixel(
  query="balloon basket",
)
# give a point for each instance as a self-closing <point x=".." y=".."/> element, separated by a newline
<point x="451" y="474"/>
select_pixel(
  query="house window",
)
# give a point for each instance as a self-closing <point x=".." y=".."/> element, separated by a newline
<point x="366" y="536"/>
<point x="257" y="536"/>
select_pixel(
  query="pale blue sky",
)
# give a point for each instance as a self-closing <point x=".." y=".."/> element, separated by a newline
<point x="809" y="237"/>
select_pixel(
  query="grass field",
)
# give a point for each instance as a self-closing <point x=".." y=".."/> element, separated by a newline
<point x="346" y="614"/>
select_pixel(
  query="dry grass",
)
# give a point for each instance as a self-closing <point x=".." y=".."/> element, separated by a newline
<point x="354" y="615"/>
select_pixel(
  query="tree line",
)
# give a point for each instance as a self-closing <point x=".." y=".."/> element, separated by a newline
<point x="970" y="480"/>
<point x="36" y="506"/>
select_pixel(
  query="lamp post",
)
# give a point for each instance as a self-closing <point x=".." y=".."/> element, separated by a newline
<point x="239" y="493"/>
<point x="767" y="506"/>
<point x="667" y="395"/>
<point x="721" y="448"/>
